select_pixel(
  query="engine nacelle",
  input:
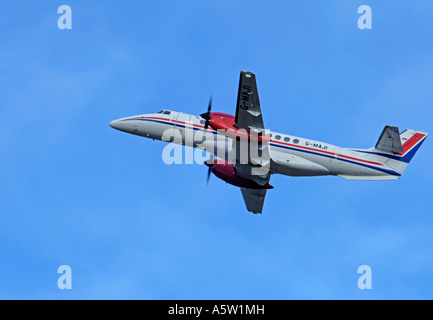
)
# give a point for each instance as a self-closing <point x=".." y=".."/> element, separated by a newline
<point x="226" y="123"/>
<point x="226" y="172"/>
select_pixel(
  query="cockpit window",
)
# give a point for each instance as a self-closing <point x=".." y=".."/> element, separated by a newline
<point x="167" y="112"/>
<point x="160" y="111"/>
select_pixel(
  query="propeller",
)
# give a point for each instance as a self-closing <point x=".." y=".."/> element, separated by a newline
<point x="210" y="164"/>
<point x="206" y="115"/>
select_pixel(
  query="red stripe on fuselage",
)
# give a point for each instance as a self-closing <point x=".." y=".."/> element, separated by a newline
<point x="172" y="121"/>
<point x="329" y="153"/>
<point x="274" y="141"/>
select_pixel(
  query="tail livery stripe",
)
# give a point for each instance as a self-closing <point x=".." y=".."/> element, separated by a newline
<point x="412" y="142"/>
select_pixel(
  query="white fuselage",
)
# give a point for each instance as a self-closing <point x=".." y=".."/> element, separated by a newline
<point x="290" y="155"/>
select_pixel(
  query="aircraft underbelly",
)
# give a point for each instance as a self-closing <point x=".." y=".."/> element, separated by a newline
<point x="292" y="165"/>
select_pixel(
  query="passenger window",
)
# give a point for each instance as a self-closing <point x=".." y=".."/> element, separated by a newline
<point x="277" y="137"/>
<point x="270" y="135"/>
<point x="287" y="139"/>
<point x="296" y="141"/>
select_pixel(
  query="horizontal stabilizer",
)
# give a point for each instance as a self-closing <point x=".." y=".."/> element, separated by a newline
<point x="369" y="178"/>
<point x="389" y="140"/>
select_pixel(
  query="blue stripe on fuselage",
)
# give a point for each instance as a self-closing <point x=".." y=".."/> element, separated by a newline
<point x="285" y="147"/>
<point x="332" y="157"/>
<point x="406" y="158"/>
<point x="223" y="115"/>
<point x="168" y="122"/>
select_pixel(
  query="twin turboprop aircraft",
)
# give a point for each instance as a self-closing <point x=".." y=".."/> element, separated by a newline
<point x="247" y="154"/>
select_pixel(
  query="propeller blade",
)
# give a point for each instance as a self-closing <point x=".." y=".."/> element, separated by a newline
<point x="206" y="115"/>
<point x="210" y="164"/>
<point x="208" y="174"/>
<point x="209" y="107"/>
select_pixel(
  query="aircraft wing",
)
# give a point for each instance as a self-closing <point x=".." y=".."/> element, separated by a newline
<point x="254" y="199"/>
<point x="254" y="162"/>
<point x="248" y="112"/>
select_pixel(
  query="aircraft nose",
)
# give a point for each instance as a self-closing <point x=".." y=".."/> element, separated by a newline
<point x="115" y="124"/>
<point x="125" y="125"/>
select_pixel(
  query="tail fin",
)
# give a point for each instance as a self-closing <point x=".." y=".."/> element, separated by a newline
<point x="401" y="148"/>
<point x="389" y="140"/>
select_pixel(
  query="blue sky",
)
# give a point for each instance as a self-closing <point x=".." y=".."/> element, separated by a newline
<point x="74" y="191"/>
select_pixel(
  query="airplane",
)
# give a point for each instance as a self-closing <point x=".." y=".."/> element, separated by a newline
<point x="222" y="135"/>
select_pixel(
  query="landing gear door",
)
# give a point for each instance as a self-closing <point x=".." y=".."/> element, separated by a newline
<point x="171" y="133"/>
<point x="182" y="125"/>
<point x="177" y="133"/>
